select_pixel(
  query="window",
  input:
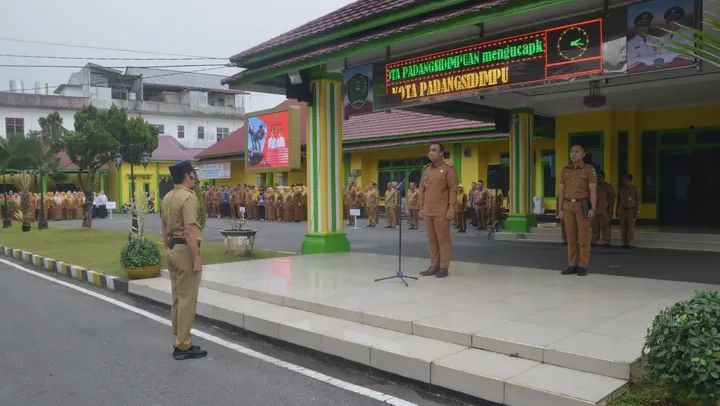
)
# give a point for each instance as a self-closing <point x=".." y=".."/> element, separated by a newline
<point x="649" y="168"/>
<point x="548" y="173"/>
<point x="222" y="132"/>
<point x="181" y="131"/>
<point x="159" y="127"/>
<point x="711" y="136"/>
<point x="201" y="133"/>
<point x="14" y="125"/>
<point x="623" y="168"/>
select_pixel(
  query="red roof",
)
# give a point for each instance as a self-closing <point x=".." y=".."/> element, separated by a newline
<point x="359" y="10"/>
<point x="67" y="165"/>
<point x="170" y="149"/>
<point x="402" y="122"/>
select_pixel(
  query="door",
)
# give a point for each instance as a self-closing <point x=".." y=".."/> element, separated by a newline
<point x="704" y="189"/>
<point x="166" y="185"/>
<point x="675" y="178"/>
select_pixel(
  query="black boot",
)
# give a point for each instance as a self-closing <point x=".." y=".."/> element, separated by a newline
<point x="191" y="353"/>
<point x="570" y="270"/>
<point x="442" y="273"/>
<point x="581" y="271"/>
<point x="430" y="271"/>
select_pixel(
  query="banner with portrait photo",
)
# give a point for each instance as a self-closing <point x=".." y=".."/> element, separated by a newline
<point x="273" y="140"/>
<point x="647" y="25"/>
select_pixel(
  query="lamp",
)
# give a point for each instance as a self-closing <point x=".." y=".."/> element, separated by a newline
<point x="144" y="159"/>
<point x="118" y="158"/>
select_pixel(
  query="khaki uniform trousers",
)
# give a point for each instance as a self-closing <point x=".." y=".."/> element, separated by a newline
<point x="414" y="215"/>
<point x="185" y="285"/>
<point x="481" y="213"/>
<point x="372" y="215"/>
<point x="438" y="232"/>
<point x="577" y="228"/>
<point x="462" y="221"/>
<point x="392" y="215"/>
<point x="627" y="225"/>
<point x="600" y="224"/>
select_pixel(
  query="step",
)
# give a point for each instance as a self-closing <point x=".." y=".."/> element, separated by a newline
<point x="552" y="345"/>
<point x="488" y="375"/>
<point x="640" y="242"/>
<point x="642" y="234"/>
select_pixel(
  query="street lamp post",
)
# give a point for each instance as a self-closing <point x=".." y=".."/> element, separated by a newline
<point x="144" y="160"/>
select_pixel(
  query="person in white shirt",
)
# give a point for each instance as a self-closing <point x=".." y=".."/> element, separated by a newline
<point x="280" y="143"/>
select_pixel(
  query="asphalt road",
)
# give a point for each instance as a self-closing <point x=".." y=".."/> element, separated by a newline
<point x="471" y="247"/>
<point x="62" y="347"/>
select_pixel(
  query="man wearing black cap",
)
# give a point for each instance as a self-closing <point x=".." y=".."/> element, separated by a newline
<point x="182" y="235"/>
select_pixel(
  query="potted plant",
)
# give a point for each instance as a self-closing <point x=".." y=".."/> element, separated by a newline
<point x="237" y="240"/>
<point x="141" y="258"/>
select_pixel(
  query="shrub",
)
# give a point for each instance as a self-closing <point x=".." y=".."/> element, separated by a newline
<point x="140" y="252"/>
<point x="682" y="348"/>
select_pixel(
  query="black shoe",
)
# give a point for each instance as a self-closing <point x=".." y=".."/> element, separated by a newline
<point x="442" y="273"/>
<point x="581" y="271"/>
<point x="570" y="270"/>
<point x="430" y="271"/>
<point x="191" y="353"/>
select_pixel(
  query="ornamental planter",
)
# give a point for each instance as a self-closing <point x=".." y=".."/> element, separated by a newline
<point x="239" y="242"/>
<point x="143" y="272"/>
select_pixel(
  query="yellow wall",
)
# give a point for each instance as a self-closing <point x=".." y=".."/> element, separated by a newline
<point x="238" y="175"/>
<point x="150" y="175"/>
<point x="610" y="123"/>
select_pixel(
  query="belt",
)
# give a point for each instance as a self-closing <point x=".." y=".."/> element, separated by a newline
<point x="576" y="199"/>
<point x="629" y="208"/>
<point x="178" y="241"/>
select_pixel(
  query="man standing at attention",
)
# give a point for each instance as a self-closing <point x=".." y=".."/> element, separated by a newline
<point x="628" y="209"/>
<point x="182" y="236"/>
<point x="461" y="206"/>
<point x="578" y="199"/>
<point x="603" y="212"/>
<point x="480" y="202"/>
<point x="437" y="199"/>
<point x="373" y="201"/>
<point x="412" y="206"/>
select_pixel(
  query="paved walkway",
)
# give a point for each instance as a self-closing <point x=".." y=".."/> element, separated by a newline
<point x="471" y="247"/>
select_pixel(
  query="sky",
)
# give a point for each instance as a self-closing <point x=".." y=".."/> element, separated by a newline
<point x="209" y="28"/>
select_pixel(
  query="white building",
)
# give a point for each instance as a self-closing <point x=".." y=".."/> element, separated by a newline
<point x="192" y="107"/>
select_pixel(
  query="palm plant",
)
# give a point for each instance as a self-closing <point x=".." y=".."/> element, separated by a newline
<point x="703" y="45"/>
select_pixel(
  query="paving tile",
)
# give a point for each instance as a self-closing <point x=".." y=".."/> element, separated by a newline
<point x="525" y="340"/>
<point x="597" y="353"/>
<point x="453" y="327"/>
<point x="478" y="373"/>
<point x="308" y="332"/>
<point x="411" y="356"/>
<point x="548" y="385"/>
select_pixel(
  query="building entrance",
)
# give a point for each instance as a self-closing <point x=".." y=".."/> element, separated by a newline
<point x="689" y="187"/>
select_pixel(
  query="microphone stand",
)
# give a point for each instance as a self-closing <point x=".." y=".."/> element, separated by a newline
<point x="399" y="274"/>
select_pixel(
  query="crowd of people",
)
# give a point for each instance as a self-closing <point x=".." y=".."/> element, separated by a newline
<point x="278" y="203"/>
<point x="58" y="205"/>
<point x="481" y="205"/>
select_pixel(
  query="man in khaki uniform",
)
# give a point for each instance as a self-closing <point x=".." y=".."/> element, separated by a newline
<point x="412" y="206"/>
<point x="373" y="201"/>
<point x="297" y="204"/>
<point x="279" y="203"/>
<point x="390" y="205"/>
<point x="288" y="210"/>
<point x="304" y="203"/>
<point x="578" y="184"/>
<point x="269" y="204"/>
<point x="437" y="199"/>
<point x="353" y="203"/>
<point x="628" y="210"/>
<point x="481" y="205"/>
<point x="460" y="207"/>
<point x="600" y="224"/>
<point x="182" y="236"/>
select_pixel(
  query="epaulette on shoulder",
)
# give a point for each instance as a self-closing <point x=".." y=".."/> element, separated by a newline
<point x="448" y="162"/>
<point x="426" y="166"/>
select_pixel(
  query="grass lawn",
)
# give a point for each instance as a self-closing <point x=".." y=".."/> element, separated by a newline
<point x="99" y="250"/>
<point x="644" y="394"/>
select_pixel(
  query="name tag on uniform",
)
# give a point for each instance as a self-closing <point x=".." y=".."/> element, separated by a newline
<point x="442" y="170"/>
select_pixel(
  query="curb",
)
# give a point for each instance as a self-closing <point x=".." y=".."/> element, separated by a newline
<point x="71" y="271"/>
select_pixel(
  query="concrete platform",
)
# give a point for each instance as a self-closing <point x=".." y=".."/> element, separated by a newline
<point x="500" y="333"/>
<point x="645" y="237"/>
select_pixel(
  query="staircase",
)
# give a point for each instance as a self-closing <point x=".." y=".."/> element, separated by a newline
<point x="508" y="365"/>
<point x="645" y="237"/>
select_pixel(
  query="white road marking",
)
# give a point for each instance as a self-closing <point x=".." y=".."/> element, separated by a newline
<point x="351" y="387"/>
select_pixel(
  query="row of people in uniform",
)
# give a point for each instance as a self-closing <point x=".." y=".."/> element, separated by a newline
<point x="485" y="205"/>
<point x="279" y="203"/>
<point x="58" y="205"/>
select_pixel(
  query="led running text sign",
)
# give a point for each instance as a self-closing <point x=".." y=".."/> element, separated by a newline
<point x="553" y="54"/>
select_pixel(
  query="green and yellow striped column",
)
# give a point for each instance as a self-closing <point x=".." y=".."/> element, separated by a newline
<point x="521" y="218"/>
<point x="325" y="167"/>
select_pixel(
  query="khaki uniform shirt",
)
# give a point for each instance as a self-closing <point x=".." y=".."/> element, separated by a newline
<point x="462" y="201"/>
<point x="180" y="207"/>
<point x="438" y="189"/>
<point x="390" y="200"/>
<point x="482" y="198"/>
<point x="605" y="198"/>
<point x="628" y="198"/>
<point x="412" y="199"/>
<point x="576" y="180"/>
<point x="372" y="198"/>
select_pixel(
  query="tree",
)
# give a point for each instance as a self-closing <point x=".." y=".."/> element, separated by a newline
<point x="90" y="147"/>
<point x="696" y="43"/>
<point x="47" y="163"/>
<point x="21" y="157"/>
